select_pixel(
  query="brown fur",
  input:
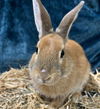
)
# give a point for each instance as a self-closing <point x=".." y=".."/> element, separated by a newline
<point x="75" y="67"/>
<point x="52" y="75"/>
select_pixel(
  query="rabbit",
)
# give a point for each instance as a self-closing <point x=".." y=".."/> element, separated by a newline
<point x="59" y="67"/>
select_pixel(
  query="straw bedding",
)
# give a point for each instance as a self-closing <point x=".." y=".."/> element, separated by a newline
<point x="16" y="92"/>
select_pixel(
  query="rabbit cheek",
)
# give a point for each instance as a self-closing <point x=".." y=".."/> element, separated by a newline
<point x="36" y="77"/>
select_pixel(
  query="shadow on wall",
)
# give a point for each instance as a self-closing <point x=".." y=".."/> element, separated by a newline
<point x="18" y="34"/>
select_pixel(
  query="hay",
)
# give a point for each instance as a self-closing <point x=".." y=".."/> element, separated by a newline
<point x="16" y="92"/>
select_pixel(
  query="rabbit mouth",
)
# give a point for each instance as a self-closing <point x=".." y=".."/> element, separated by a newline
<point x="47" y="79"/>
<point x="52" y="79"/>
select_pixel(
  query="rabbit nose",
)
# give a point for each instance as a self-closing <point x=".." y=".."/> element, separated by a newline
<point x="43" y="70"/>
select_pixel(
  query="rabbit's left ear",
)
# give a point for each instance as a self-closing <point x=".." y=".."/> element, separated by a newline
<point x="66" y="23"/>
<point x="42" y="18"/>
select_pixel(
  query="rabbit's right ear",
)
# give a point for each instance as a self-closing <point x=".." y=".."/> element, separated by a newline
<point x="42" y="18"/>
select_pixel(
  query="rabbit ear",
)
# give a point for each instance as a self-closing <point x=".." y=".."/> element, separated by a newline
<point x="42" y="18"/>
<point x="66" y="23"/>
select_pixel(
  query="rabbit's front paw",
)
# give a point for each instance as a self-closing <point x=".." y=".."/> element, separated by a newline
<point x="57" y="102"/>
<point x="76" y="97"/>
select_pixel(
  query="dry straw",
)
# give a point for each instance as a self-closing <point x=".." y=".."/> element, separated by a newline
<point x="16" y="92"/>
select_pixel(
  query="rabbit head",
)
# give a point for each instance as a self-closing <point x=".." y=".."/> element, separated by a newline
<point x="48" y="59"/>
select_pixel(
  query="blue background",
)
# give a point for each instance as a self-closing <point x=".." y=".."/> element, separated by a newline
<point x="18" y="34"/>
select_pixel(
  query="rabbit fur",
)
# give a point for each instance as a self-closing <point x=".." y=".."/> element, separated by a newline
<point x="59" y="67"/>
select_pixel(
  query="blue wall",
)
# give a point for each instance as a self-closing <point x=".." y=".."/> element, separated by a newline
<point x="18" y="34"/>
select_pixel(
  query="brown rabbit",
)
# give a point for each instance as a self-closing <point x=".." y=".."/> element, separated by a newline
<point x="59" y="67"/>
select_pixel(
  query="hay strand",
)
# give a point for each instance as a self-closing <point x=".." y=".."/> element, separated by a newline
<point x="16" y="92"/>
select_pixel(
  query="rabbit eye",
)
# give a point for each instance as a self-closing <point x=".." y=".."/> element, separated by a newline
<point x="36" y="49"/>
<point x="62" y="54"/>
